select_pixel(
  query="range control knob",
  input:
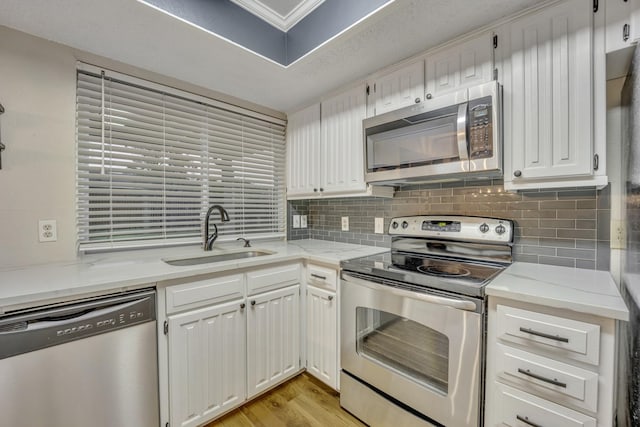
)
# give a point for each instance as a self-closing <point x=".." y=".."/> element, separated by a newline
<point x="500" y="229"/>
<point x="405" y="224"/>
<point x="484" y="228"/>
<point x="394" y="225"/>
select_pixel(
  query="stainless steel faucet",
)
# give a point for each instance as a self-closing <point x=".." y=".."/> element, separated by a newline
<point x="209" y="239"/>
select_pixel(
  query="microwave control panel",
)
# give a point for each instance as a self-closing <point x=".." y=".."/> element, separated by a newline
<point x="480" y="128"/>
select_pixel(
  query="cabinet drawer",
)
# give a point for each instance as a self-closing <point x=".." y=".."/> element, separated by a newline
<point x="322" y="277"/>
<point x="565" y="337"/>
<point x="268" y="279"/>
<point x="204" y="292"/>
<point x="556" y="381"/>
<point x="520" y="409"/>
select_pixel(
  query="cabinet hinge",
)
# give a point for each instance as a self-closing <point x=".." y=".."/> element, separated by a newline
<point x="596" y="162"/>
<point x="166" y="425"/>
<point x="166" y="327"/>
<point x="495" y="74"/>
<point x="495" y="41"/>
<point x="374" y="88"/>
<point x="596" y="6"/>
<point x="367" y="90"/>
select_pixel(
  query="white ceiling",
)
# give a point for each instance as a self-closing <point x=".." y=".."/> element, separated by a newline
<point x="282" y="14"/>
<point x="133" y="33"/>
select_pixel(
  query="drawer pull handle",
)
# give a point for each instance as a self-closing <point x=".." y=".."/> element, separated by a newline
<point x="543" y="335"/>
<point x="526" y="421"/>
<point x="317" y="276"/>
<point x="541" y="378"/>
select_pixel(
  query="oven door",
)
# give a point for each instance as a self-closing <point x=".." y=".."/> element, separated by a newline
<point x="423" y="350"/>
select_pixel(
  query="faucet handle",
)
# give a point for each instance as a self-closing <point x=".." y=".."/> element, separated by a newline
<point x="247" y="242"/>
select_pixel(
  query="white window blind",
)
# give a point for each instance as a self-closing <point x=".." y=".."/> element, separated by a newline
<point x="150" y="163"/>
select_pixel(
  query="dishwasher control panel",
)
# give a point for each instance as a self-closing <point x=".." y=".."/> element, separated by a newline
<point x="34" y="330"/>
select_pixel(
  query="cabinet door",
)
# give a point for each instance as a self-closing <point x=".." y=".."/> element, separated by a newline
<point x="273" y="338"/>
<point x="342" y="152"/>
<point x="322" y="335"/>
<point x="206" y="366"/>
<point x="457" y="67"/>
<point x="303" y="152"/>
<point x="398" y="89"/>
<point x="551" y="90"/>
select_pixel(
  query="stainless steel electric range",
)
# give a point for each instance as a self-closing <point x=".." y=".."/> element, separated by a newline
<point x="413" y="321"/>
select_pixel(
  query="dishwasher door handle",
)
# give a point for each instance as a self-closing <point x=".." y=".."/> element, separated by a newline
<point x="82" y="315"/>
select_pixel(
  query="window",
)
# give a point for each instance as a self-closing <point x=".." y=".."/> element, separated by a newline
<point x="152" y="159"/>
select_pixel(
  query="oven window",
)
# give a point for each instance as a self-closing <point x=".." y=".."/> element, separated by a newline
<point x="407" y="347"/>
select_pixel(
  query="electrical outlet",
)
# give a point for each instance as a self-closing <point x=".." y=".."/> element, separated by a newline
<point x="47" y="230"/>
<point x="618" y="234"/>
<point x="379" y="226"/>
<point x="296" y="221"/>
<point x="345" y="223"/>
<point x="303" y="221"/>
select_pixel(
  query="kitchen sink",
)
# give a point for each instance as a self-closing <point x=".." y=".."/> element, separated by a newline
<point x="217" y="258"/>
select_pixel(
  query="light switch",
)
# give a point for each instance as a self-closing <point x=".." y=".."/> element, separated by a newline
<point x="345" y="223"/>
<point x="303" y="221"/>
<point x="379" y="226"/>
<point x="296" y="221"/>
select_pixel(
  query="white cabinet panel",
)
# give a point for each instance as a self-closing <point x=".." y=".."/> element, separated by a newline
<point x="322" y="337"/>
<point x="519" y="409"/>
<point x="206" y="374"/>
<point x="203" y="293"/>
<point x="273" y="338"/>
<point x="460" y="66"/>
<point x="549" y="132"/>
<point x="556" y="381"/>
<point x="564" y="337"/>
<point x="397" y="89"/>
<point x="303" y="152"/>
<point x="342" y="161"/>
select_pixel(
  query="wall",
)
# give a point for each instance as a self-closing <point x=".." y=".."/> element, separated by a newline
<point x="37" y="180"/>
<point x="568" y="227"/>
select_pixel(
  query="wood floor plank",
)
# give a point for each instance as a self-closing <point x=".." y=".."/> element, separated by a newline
<point x="301" y="402"/>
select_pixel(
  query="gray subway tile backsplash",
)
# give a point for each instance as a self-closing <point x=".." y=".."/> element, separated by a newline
<point x="567" y="227"/>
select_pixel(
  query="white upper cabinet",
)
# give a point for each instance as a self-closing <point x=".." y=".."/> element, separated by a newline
<point x="623" y="21"/>
<point x="397" y="89"/>
<point x="342" y="157"/>
<point x="303" y="152"/>
<point x="459" y="66"/>
<point x="325" y="149"/>
<point x="548" y="98"/>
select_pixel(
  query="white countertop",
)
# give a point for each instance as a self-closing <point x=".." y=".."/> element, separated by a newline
<point x="119" y="271"/>
<point x="585" y="291"/>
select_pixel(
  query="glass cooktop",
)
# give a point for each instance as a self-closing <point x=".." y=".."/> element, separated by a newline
<point x="459" y="276"/>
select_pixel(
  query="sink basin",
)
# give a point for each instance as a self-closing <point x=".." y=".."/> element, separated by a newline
<point x="217" y="258"/>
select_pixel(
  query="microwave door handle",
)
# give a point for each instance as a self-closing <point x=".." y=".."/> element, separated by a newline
<point x="463" y="151"/>
<point x="430" y="298"/>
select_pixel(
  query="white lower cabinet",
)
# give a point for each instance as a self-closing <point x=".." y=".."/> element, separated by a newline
<point x="224" y="347"/>
<point x="548" y="367"/>
<point x="273" y="338"/>
<point x="322" y="335"/>
<point x="206" y="362"/>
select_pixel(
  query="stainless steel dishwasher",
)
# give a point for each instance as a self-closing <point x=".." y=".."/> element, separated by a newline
<point x="90" y="363"/>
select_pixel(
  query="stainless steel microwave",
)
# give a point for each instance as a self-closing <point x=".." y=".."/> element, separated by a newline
<point x="453" y="136"/>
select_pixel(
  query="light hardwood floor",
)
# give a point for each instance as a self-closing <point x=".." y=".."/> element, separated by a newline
<point x="302" y="401"/>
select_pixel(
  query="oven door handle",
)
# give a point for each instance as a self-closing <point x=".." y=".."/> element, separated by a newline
<point x="433" y="299"/>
